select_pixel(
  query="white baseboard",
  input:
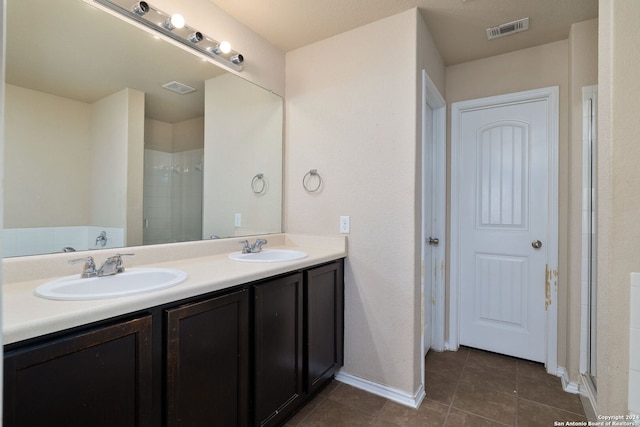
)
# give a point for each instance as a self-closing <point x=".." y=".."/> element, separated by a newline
<point x="387" y="392"/>
<point x="449" y="346"/>
<point x="568" y="386"/>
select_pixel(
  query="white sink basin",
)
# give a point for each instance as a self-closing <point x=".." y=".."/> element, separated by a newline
<point x="132" y="281"/>
<point x="268" y="255"/>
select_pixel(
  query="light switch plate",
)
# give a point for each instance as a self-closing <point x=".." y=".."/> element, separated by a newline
<point x="345" y="225"/>
<point x="237" y="220"/>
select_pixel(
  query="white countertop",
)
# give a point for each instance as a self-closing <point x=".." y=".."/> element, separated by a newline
<point x="27" y="316"/>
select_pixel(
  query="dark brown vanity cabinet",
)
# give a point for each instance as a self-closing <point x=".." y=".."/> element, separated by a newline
<point x="324" y="324"/>
<point x="298" y="327"/>
<point x="101" y="377"/>
<point x="247" y="356"/>
<point x="207" y="350"/>
<point x="278" y="348"/>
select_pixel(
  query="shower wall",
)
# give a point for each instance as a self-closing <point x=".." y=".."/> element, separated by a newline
<point x="47" y="240"/>
<point x="172" y="196"/>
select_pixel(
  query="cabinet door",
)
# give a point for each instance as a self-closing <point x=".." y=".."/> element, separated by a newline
<point x="323" y="323"/>
<point x="96" y="378"/>
<point x="278" y="349"/>
<point x="208" y="362"/>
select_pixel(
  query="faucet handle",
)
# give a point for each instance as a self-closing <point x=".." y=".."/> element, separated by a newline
<point x="246" y="249"/>
<point x="89" y="269"/>
<point x="117" y="258"/>
<point x="257" y="245"/>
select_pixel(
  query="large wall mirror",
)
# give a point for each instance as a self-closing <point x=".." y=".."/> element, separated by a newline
<point x="99" y="154"/>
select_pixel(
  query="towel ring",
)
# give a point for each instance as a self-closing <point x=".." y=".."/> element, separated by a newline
<point x="307" y="177"/>
<point x="257" y="184"/>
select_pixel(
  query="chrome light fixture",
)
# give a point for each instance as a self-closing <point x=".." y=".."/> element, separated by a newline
<point x="140" y="8"/>
<point x="175" y="21"/>
<point x="195" y="37"/>
<point x="174" y="27"/>
<point x="237" y="59"/>
<point x="222" y="47"/>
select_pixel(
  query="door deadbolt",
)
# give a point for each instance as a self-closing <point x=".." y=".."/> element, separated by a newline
<point x="537" y="244"/>
<point x="433" y="241"/>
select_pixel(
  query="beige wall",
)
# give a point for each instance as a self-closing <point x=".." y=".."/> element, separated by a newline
<point x="429" y="59"/>
<point x="135" y="168"/>
<point x="618" y="190"/>
<point x="174" y="137"/>
<point x="158" y="135"/>
<point x="583" y="71"/>
<point x="243" y="138"/>
<point x="188" y="134"/>
<point x="117" y="162"/>
<point x="353" y="118"/>
<point x="533" y="68"/>
<point x="47" y="160"/>
<point x="70" y="160"/>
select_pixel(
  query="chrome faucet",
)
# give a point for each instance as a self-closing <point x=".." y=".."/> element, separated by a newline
<point x="251" y="249"/>
<point x="102" y="239"/>
<point x="112" y="265"/>
<point x="89" y="269"/>
<point x="257" y="245"/>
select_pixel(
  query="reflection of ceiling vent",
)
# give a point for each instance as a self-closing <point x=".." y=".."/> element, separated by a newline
<point x="508" y="28"/>
<point x="178" y="87"/>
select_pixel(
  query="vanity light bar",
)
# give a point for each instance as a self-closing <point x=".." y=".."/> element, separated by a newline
<point x="174" y="27"/>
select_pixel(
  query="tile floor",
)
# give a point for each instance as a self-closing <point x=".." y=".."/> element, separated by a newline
<point x="464" y="388"/>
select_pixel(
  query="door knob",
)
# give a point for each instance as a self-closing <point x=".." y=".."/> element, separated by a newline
<point x="433" y="241"/>
<point x="537" y="244"/>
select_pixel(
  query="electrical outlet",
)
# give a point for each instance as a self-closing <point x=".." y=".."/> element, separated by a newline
<point x="237" y="220"/>
<point x="345" y="225"/>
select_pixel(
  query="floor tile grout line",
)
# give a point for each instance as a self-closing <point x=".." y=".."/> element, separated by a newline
<point x="469" y="355"/>
<point x="551" y="406"/>
<point x="455" y="392"/>
<point x="459" y="382"/>
<point x="483" y="417"/>
<point x="315" y="408"/>
<point x="446" y="418"/>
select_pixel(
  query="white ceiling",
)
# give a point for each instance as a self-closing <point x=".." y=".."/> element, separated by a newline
<point x="458" y="26"/>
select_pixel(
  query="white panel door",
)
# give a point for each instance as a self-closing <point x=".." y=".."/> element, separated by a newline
<point x="503" y="219"/>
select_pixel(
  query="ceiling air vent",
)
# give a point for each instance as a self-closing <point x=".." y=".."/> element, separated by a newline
<point x="178" y="87"/>
<point x="508" y="28"/>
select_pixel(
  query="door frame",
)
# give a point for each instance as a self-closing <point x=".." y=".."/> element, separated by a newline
<point x="550" y="96"/>
<point x="437" y="173"/>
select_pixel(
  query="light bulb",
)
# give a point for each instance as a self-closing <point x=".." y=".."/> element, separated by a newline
<point x="225" y="47"/>
<point x="222" y="47"/>
<point x="177" y="20"/>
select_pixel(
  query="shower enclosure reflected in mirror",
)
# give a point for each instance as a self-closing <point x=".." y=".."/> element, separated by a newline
<point x="93" y="142"/>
